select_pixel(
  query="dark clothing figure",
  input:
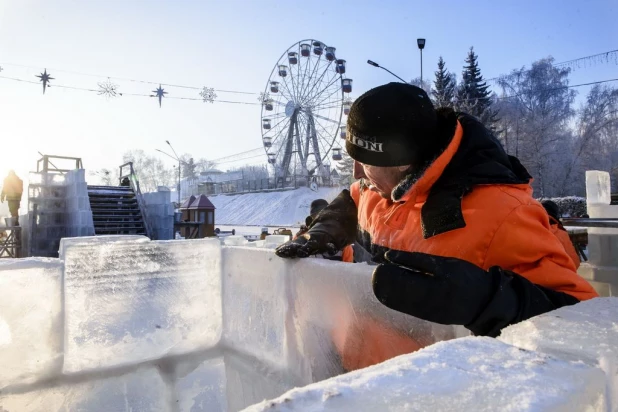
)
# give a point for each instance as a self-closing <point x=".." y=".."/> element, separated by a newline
<point x="125" y="182"/>
<point x="553" y="210"/>
<point x="12" y="191"/>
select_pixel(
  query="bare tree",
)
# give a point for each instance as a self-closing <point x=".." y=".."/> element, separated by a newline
<point x="544" y="106"/>
<point x="150" y="170"/>
<point x="595" y="143"/>
<point x="105" y="177"/>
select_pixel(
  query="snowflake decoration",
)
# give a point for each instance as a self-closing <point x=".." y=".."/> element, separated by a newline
<point x="208" y="94"/>
<point x="263" y="97"/>
<point x="108" y="89"/>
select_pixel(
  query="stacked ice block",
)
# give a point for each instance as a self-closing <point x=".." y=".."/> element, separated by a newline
<point x="160" y="214"/>
<point x="602" y="266"/>
<point x="58" y="207"/>
<point x="122" y="323"/>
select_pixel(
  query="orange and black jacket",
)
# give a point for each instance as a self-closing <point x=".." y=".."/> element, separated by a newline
<point x="563" y="236"/>
<point x="473" y="202"/>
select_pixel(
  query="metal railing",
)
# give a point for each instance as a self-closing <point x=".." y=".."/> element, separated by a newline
<point x="134" y="182"/>
<point x="44" y="163"/>
<point x="586" y="222"/>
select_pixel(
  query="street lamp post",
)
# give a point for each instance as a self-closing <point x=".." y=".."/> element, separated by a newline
<point x="421" y="45"/>
<point x="374" y="64"/>
<point x="179" y="162"/>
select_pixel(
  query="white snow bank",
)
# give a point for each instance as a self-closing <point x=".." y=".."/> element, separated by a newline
<point x="467" y="374"/>
<point x="284" y="208"/>
<point x="587" y="332"/>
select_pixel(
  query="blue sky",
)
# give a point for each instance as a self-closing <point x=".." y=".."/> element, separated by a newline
<point x="233" y="45"/>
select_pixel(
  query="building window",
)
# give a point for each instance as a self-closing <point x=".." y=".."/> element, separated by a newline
<point x="211" y="216"/>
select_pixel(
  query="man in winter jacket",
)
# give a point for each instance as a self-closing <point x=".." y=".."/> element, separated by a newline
<point x="447" y="215"/>
<point x="12" y="191"/>
<point x="553" y="210"/>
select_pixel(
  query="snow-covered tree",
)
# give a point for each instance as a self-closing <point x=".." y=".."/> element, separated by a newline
<point x="105" y="177"/>
<point x="595" y="143"/>
<point x="188" y="166"/>
<point x="425" y="86"/>
<point x="473" y="94"/>
<point x="542" y="109"/>
<point x="444" y="86"/>
<point x="345" y="168"/>
<point x="150" y="170"/>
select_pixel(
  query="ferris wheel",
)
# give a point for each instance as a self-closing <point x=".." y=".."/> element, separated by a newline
<point x="303" y="105"/>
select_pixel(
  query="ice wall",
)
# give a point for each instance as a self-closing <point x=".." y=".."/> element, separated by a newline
<point x="160" y="213"/>
<point x="58" y="206"/>
<point x="122" y="323"/>
<point x="601" y="270"/>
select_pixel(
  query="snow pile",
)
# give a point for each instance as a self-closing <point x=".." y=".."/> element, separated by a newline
<point x="587" y="332"/>
<point x="468" y="374"/>
<point x="283" y="208"/>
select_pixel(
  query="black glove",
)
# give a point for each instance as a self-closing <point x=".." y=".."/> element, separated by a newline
<point x="308" y="244"/>
<point x="331" y="230"/>
<point x="451" y="291"/>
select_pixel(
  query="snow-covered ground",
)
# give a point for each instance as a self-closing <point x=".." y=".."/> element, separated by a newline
<point x="285" y="208"/>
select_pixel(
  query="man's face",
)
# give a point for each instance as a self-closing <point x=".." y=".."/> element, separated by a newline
<point x="380" y="179"/>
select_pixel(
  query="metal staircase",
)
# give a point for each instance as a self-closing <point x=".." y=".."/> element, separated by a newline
<point x="119" y="210"/>
<point x="115" y="211"/>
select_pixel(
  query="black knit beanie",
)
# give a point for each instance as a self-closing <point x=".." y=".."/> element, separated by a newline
<point x="393" y="125"/>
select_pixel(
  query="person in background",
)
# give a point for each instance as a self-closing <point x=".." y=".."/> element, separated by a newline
<point x="12" y="191"/>
<point x="553" y="210"/>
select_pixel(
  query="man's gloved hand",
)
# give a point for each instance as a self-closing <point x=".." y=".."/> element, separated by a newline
<point x="452" y="291"/>
<point x="331" y="230"/>
<point x="442" y="290"/>
<point x="308" y="244"/>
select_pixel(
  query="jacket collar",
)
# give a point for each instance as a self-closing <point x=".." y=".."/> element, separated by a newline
<point x="473" y="157"/>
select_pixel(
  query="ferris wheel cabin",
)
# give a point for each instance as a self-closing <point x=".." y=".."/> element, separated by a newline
<point x="337" y="154"/>
<point x="318" y="48"/>
<point x="274" y="87"/>
<point x="293" y="57"/>
<point x="266" y="124"/>
<point x="272" y="159"/>
<point x="268" y="141"/>
<point x="269" y="104"/>
<point x="283" y="70"/>
<point x="347" y="105"/>
<point x="342" y="132"/>
<point x="346" y="85"/>
<point x="340" y="66"/>
<point x="330" y="53"/>
<point x="305" y="50"/>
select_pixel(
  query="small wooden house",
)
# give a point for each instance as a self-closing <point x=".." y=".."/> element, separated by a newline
<point x="202" y="211"/>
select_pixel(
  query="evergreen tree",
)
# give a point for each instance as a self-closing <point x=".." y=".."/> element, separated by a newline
<point x="189" y="167"/>
<point x="473" y="95"/>
<point x="444" y="86"/>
